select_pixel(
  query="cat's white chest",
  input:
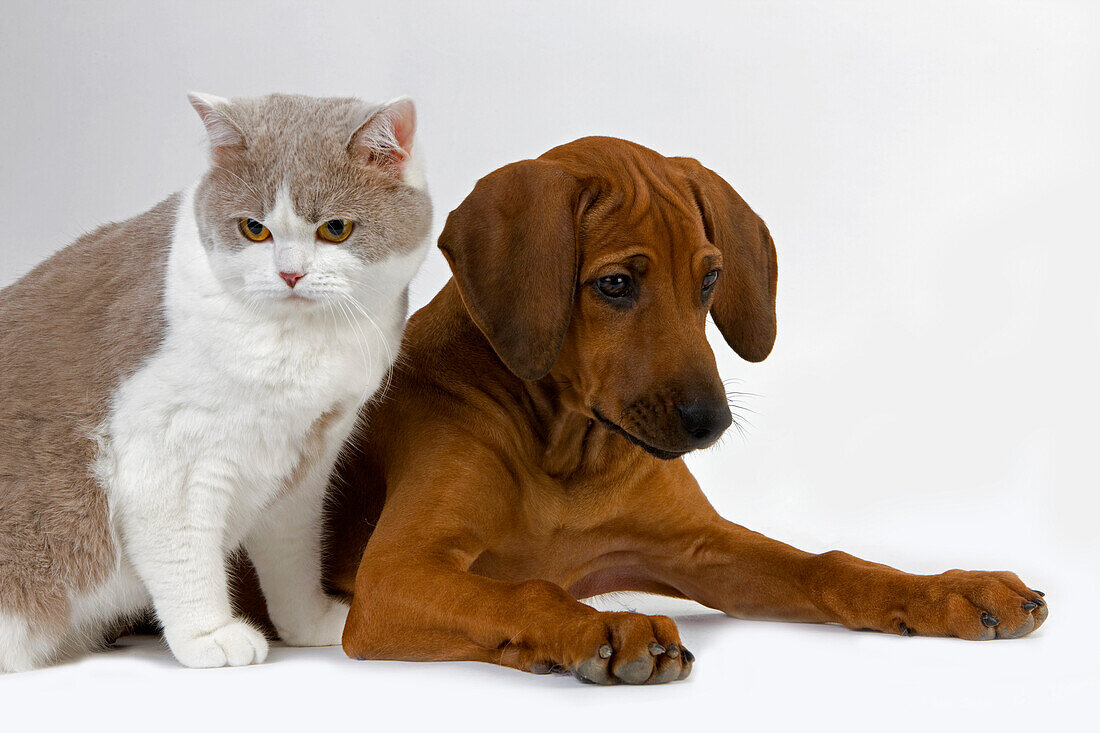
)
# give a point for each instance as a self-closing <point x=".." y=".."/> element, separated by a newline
<point x="234" y="400"/>
<point x="240" y="409"/>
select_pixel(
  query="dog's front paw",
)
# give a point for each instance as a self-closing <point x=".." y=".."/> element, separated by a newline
<point x="234" y="644"/>
<point x="612" y="648"/>
<point x="971" y="605"/>
<point x="324" y="629"/>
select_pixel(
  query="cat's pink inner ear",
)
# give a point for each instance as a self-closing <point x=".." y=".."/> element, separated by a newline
<point x="386" y="138"/>
<point x="403" y="114"/>
<point x="219" y="129"/>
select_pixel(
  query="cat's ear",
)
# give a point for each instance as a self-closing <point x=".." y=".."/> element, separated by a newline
<point x="386" y="138"/>
<point x="221" y="131"/>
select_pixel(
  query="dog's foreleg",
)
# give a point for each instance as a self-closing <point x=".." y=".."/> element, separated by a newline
<point x="747" y="575"/>
<point x="411" y="609"/>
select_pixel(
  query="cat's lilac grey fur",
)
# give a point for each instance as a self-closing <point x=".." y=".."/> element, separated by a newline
<point x="70" y="331"/>
<point x="319" y="176"/>
<point x="83" y="321"/>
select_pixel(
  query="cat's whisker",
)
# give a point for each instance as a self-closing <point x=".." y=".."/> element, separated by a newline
<point x="385" y="343"/>
<point x="368" y="286"/>
<point x="361" y="339"/>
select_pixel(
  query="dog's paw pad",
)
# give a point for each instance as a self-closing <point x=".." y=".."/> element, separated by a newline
<point x="642" y="650"/>
<point x="974" y="605"/>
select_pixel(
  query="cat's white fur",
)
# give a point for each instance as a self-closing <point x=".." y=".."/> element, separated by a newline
<point x="227" y="436"/>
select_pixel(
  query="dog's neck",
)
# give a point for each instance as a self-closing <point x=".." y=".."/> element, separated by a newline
<point x="569" y="441"/>
<point x="573" y="442"/>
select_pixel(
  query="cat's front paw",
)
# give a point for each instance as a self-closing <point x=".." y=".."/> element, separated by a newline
<point x="324" y="629"/>
<point x="235" y="644"/>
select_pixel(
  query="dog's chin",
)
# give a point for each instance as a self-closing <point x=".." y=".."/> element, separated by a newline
<point x="664" y="455"/>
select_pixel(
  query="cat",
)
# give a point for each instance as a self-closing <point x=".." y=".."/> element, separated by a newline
<point x="179" y="385"/>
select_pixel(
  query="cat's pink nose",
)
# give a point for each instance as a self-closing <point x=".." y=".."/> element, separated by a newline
<point x="292" y="278"/>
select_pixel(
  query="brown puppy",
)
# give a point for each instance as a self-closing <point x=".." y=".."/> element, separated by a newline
<point x="527" y="452"/>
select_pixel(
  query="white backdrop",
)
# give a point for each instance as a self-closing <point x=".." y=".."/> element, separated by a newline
<point x="928" y="172"/>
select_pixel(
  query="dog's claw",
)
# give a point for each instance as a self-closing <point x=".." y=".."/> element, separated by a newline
<point x="1030" y="606"/>
<point x="673" y="651"/>
<point x="656" y="649"/>
<point x="1038" y="601"/>
<point x="1038" y="592"/>
<point x="904" y="630"/>
<point x="605" y="651"/>
<point x="593" y="671"/>
<point x="686" y="660"/>
<point x="988" y="620"/>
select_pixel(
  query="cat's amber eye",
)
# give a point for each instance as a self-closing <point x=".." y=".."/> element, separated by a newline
<point x="254" y="230"/>
<point x="335" y="230"/>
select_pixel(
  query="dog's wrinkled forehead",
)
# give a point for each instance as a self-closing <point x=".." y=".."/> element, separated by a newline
<point x="635" y="192"/>
<point x="607" y="156"/>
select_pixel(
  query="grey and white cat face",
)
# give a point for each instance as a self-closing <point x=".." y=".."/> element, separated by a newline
<point x="311" y="201"/>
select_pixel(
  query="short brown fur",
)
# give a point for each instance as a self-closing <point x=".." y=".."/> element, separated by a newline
<point x="480" y="505"/>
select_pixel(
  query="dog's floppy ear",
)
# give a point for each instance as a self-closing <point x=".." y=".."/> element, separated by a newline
<point x="744" y="304"/>
<point x="512" y="245"/>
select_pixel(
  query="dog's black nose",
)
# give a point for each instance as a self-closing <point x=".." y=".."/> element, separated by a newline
<point x="704" y="420"/>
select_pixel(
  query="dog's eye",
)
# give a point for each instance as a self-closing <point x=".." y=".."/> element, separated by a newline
<point x="614" y="286"/>
<point x="335" y="230"/>
<point x="709" y="279"/>
<point x="253" y="230"/>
